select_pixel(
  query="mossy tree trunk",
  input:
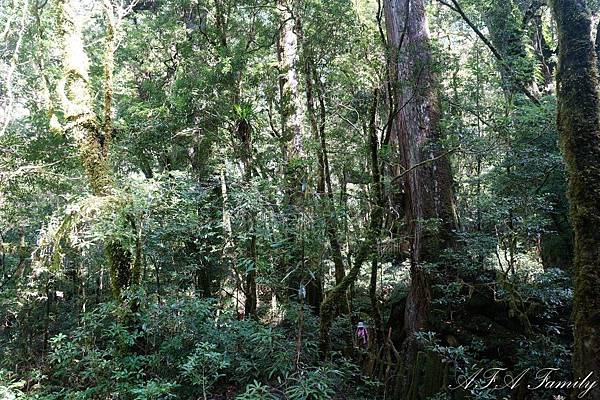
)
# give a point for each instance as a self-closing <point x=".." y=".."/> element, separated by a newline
<point x="314" y="293"/>
<point x="316" y="110"/>
<point x="378" y="205"/>
<point x="579" y="129"/>
<point x="91" y="136"/>
<point x="543" y="52"/>
<point x="598" y="46"/>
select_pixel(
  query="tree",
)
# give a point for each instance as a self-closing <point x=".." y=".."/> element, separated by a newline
<point x="91" y="137"/>
<point x="579" y="127"/>
<point x="504" y="21"/>
<point x="424" y="166"/>
<point x="292" y="137"/>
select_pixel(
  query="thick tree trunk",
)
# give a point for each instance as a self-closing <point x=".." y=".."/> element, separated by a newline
<point x="416" y="126"/>
<point x="428" y="184"/>
<point x="579" y="128"/>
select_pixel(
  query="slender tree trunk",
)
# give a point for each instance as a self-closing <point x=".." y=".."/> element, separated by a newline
<point x="543" y="52"/>
<point x="509" y="73"/>
<point x="75" y="92"/>
<point x="597" y="44"/>
<point x="292" y="110"/>
<point x="251" y="301"/>
<point x="379" y="204"/>
<point x="429" y="207"/>
<point x="317" y="123"/>
<point x="315" y="287"/>
<point x="332" y="223"/>
<point x="229" y="245"/>
<point x="579" y="129"/>
<point x="109" y="66"/>
<point x="336" y="294"/>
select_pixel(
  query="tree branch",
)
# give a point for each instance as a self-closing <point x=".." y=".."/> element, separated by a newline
<point x="455" y="6"/>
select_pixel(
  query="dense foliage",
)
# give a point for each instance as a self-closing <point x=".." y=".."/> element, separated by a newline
<point x="204" y="198"/>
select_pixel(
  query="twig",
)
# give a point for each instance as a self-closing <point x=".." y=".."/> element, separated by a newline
<point x="417" y="165"/>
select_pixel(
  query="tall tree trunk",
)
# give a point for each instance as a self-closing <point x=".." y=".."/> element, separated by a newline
<point x="379" y="204"/>
<point x="244" y="134"/>
<point x="429" y="210"/>
<point x="579" y="129"/>
<point x="597" y="44"/>
<point x="292" y="134"/>
<point x="76" y="98"/>
<point x="314" y="295"/>
<point x="504" y="64"/>
<point x="292" y="110"/>
<point x="543" y="52"/>
<point x="87" y="132"/>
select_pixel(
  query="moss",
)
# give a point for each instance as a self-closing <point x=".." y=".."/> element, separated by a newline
<point x="119" y="265"/>
<point x="90" y="137"/>
<point x="428" y="375"/>
<point x="579" y="128"/>
<point x="334" y="296"/>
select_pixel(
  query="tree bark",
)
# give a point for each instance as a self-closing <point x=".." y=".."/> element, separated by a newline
<point x="543" y="52"/>
<point x="579" y="129"/>
<point x="315" y="287"/>
<point x="292" y="111"/>
<point x="597" y="44"/>
<point x="75" y="93"/>
<point x="429" y="204"/>
<point x="325" y="188"/>
<point x="379" y="204"/>
<point x="455" y="6"/>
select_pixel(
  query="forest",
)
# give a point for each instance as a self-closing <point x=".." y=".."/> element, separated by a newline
<point x="299" y="199"/>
